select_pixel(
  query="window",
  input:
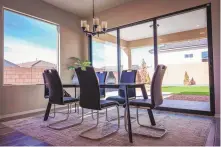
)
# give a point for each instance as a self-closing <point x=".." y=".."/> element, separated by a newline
<point x="188" y="56"/>
<point x="204" y="56"/>
<point x="30" y="46"/>
<point x="104" y="58"/>
<point x="179" y="47"/>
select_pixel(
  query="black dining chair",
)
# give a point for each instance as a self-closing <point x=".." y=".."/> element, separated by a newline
<point x="102" y="78"/>
<point x="127" y="76"/>
<point x="56" y="96"/>
<point x="90" y="98"/>
<point x="46" y="96"/>
<point x="149" y="104"/>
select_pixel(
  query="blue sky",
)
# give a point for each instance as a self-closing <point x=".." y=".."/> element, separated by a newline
<point x="27" y="39"/>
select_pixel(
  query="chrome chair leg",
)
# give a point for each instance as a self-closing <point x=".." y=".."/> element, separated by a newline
<point x="92" y="114"/>
<point x="82" y="134"/>
<point x="52" y="125"/>
<point x="120" y="117"/>
<point x="70" y="108"/>
<point x="53" y="113"/>
<point x="146" y="126"/>
<point x="106" y="117"/>
<point x="76" y="108"/>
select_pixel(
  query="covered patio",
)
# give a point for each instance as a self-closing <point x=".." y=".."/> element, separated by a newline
<point x="186" y="83"/>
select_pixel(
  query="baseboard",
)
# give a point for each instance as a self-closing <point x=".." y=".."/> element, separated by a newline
<point x="26" y="112"/>
<point x="217" y="115"/>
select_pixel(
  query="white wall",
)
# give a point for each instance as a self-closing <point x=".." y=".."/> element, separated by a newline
<point x="177" y="57"/>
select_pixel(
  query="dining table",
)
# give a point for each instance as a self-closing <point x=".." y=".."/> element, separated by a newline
<point x="123" y="86"/>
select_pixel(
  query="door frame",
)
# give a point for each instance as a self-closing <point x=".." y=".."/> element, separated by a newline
<point x="154" y="20"/>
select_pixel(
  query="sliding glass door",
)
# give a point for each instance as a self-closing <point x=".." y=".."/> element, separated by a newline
<point x="183" y="48"/>
<point x="181" y="40"/>
<point x="137" y="44"/>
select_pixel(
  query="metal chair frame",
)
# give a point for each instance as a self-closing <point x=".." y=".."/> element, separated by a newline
<point x="143" y="125"/>
<point x="122" y="116"/>
<point x="94" y="127"/>
<point x="51" y="125"/>
<point x="54" y="112"/>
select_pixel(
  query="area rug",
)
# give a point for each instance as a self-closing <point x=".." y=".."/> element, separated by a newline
<point x="183" y="130"/>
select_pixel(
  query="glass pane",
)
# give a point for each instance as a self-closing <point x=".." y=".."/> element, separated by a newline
<point x="183" y="49"/>
<point x="30" y="47"/>
<point x="104" y="55"/>
<point x="137" y="52"/>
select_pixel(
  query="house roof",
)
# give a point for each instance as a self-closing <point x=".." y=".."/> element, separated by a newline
<point x="38" y="64"/>
<point x="9" y="64"/>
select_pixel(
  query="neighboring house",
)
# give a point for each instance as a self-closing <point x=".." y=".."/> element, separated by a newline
<point x="9" y="64"/>
<point x="194" y="51"/>
<point x="38" y="64"/>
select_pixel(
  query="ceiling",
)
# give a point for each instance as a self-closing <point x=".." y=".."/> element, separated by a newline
<point x="83" y="8"/>
<point x="178" y="23"/>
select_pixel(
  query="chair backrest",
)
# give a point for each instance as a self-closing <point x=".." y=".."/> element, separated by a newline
<point x="75" y="79"/>
<point x="102" y="78"/>
<point x="89" y="88"/>
<point x="111" y="79"/>
<point x="128" y="77"/>
<point x="54" y="85"/>
<point x="46" y="90"/>
<point x="156" y="85"/>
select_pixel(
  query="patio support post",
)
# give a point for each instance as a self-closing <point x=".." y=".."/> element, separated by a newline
<point x="118" y="54"/>
<point x="155" y="43"/>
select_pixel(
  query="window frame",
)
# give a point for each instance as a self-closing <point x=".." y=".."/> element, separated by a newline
<point x="207" y="6"/>
<point x="3" y="41"/>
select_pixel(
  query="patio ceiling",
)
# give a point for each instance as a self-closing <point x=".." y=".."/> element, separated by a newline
<point x="185" y="36"/>
<point x="178" y="23"/>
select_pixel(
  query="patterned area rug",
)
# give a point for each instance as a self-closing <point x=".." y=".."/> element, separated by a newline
<point x="183" y="130"/>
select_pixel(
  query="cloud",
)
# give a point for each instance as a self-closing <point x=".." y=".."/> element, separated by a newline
<point x="22" y="51"/>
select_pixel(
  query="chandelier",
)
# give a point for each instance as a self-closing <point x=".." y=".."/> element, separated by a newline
<point x="97" y="28"/>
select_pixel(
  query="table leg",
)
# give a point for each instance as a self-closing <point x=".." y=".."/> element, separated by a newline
<point x="75" y="92"/>
<point x="128" y="115"/>
<point x="152" y="120"/>
<point x="47" y="112"/>
<point x="75" y="105"/>
<point x="144" y="92"/>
